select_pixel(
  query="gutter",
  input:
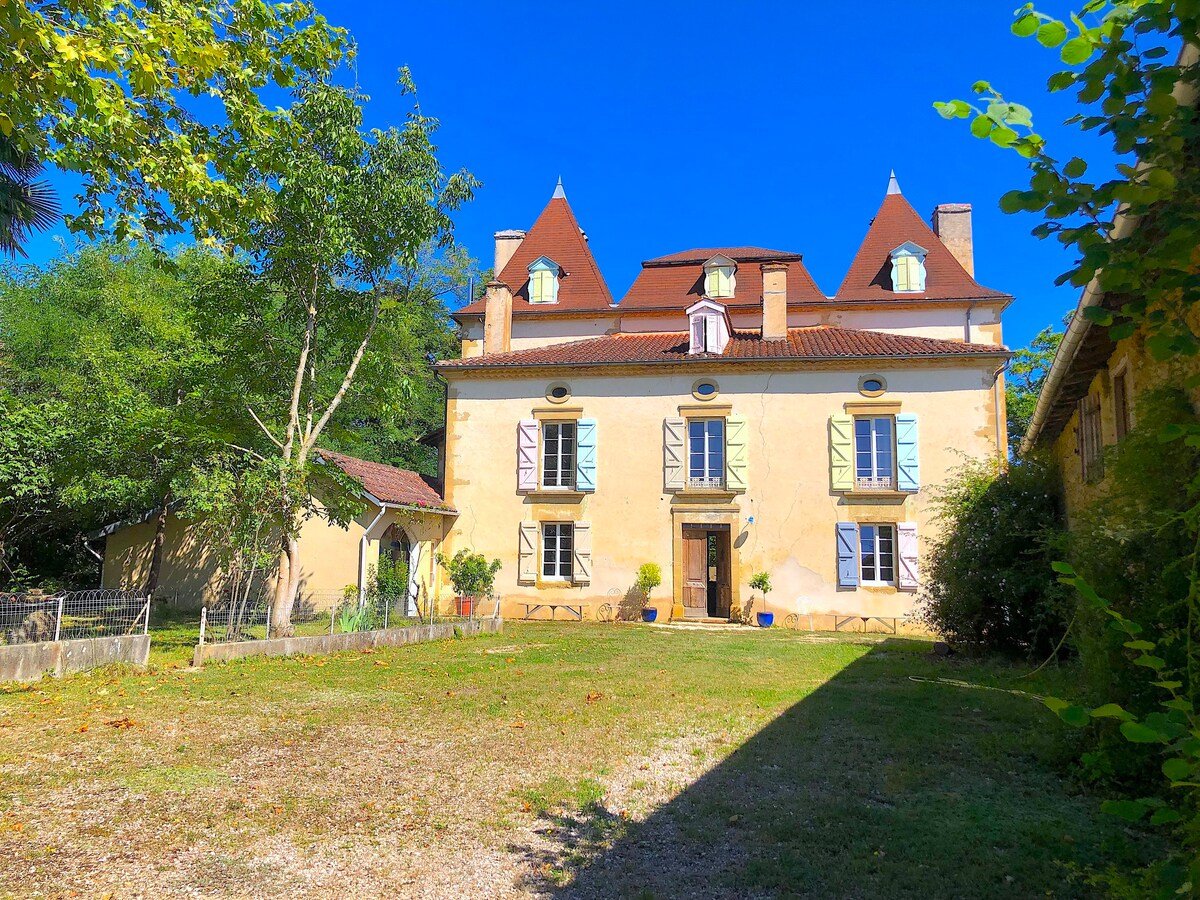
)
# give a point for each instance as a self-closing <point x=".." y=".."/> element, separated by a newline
<point x="1123" y="225"/>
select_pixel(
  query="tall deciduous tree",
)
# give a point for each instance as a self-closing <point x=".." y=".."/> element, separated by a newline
<point x="344" y="213"/>
<point x="117" y="91"/>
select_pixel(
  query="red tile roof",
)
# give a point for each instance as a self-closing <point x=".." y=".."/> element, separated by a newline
<point x="677" y="281"/>
<point x="555" y="235"/>
<point x="818" y="343"/>
<point x="389" y="484"/>
<point x="870" y="277"/>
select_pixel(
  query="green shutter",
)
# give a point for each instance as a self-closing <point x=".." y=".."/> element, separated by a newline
<point x="736" y="453"/>
<point x="841" y="453"/>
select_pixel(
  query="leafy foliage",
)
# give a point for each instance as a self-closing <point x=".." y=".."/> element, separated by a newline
<point x="470" y="573"/>
<point x="109" y="90"/>
<point x="26" y="205"/>
<point x="1027" y="372"/>
<point x="988" y="584"/>
<point x="649" y="577"/>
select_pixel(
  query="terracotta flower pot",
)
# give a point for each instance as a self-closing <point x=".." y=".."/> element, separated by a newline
<point x="465" y="606"/>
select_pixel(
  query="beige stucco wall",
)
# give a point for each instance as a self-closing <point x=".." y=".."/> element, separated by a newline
<point x="634" y="521"/>
<point x="329" y="556"/>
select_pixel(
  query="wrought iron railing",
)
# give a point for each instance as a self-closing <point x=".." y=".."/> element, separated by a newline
<point x="706" y="482"/>
<point x="874" y="483"/>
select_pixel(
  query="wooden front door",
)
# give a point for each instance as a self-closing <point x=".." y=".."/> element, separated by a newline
<point x="695" y="572"/>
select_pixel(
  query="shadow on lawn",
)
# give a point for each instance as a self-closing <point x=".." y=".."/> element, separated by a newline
<point x="875" y="785"/>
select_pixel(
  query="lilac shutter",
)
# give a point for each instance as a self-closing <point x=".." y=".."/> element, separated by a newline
<point x="907" y="538"/>
<point x="527" y="455"/>
<point x="847" y="551"/>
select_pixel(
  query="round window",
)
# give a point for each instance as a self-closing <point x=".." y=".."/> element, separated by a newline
<point x="558" y="392"/>
<point x="872" y="385"/>
<point x="706" y="389"/>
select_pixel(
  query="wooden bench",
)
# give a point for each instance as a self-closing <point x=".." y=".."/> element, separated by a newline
<point x="575" y="609"/>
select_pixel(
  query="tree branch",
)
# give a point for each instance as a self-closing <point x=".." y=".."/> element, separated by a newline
<point x="274" y="440"/>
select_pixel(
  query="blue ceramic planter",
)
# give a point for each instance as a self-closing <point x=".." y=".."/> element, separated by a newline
<point x="766" y="620"/>
<point x="649" y="615"/>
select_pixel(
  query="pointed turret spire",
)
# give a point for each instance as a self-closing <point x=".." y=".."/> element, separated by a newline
<point x="893" y="184"/>
<point x="559" y="193"/>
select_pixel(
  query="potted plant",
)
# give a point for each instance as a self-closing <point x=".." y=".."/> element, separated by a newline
<point x="649" y="577"/>
<point x="762" y="582"/>
<point x="472" y="577"/>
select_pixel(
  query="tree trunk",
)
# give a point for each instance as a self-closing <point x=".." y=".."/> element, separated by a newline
<point x="156" y="552"/>
<point x="286" y="585"/>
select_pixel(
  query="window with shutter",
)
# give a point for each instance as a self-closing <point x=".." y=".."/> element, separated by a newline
<point x="873" y="453"/>
<point x="558" y="551"/>
<point x="706" y="453"/>
<point x="877" y="554"/>
<point x="1091" y="439"/>
<point x="558" y="455"/>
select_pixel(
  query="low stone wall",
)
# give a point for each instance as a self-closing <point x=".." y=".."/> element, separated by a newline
<point x="358" y="641"/>
<point x="29" y="662"/>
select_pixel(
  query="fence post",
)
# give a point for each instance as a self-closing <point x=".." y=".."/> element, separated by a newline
<point x="58" y="618"/>
<point x="332" y="616"/>
<point x="146" y="630"/>
<point x="203" y="623"/>
<point x="268" y="634"/>
<point x="386" y="599"/>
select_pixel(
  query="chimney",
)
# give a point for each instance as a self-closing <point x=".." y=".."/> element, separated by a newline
<point x="774" y="327"/>
<point x="507" y="243"/>
<point x="952" y="224"/>
<point x="497" y="318"/>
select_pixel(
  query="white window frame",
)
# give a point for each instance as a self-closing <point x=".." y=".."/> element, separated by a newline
<point x="707" y="481"/>
<point x="564" y="462"/>
<point x="553" y="534"/>
<point x="719" y="282"/>
<point x="877" y="479"/>
<point x="875" y="551"/>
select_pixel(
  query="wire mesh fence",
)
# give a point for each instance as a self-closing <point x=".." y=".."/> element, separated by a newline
<point x="72" y="615"/>
<point x="333" y="612"/>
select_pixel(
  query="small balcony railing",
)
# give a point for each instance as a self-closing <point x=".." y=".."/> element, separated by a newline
<point x="705" y="483"/>
<point x="874" y="483"/>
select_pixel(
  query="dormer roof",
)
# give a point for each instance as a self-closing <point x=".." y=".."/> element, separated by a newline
<point x="895" y="225"/>
<point x="676" y="281"/>
<point x="555" y="235"/>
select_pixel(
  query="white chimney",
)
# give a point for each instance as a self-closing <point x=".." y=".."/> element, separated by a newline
<point x="952" y="225"/>
<point x="507" y="243"/>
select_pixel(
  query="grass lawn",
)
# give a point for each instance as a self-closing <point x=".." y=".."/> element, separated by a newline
<point x="568" y="760"/>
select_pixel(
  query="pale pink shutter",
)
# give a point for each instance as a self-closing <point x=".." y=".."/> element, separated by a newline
<point x="527" y="455"/>
<point x="907" y="539"/>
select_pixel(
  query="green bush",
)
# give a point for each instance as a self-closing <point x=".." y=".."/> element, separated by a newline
<point x="987" y="583"/>
<point x="470" y="573"/>
<point x="649" y="576"/>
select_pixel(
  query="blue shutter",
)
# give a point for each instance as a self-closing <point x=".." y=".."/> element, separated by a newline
<point x="847" y="549"/>
<point x="908" y="469"/>
<point x="585" y="455"/>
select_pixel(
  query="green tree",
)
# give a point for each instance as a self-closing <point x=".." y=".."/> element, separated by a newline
<point x="26" y="204"/>
<point x="1026" y="374"/>
<point x="103" y="347"/>
<point x="115" y="90"/>
<point x="344" y="213"/>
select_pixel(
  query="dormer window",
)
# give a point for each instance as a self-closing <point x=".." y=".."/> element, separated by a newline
<point x="543" y="280"/>
<point x="719" y="278"/>
<point x="708" y="327"/>
<point x="908" y="268"/>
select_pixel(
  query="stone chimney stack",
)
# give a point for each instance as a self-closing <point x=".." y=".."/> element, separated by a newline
<point x="497" y="318"/>
<point x="507" y="243"/>
<point x="952" y="224"/>
<point x="774" y="327"/>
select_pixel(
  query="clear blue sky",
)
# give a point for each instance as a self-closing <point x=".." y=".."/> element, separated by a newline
<point x="689" y="125"/>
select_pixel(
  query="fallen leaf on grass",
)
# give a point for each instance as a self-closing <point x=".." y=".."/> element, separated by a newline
<point x="593" y="696"/>
<point x="517" y="725"/>
<point x="526" y="806"/>
<point x="121" y="723"/>
<point x="82" y="728"/>
<point x="380" y="662"/>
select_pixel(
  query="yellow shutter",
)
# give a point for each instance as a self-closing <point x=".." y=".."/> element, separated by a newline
<point x="736" y="453"/>
<point x="582" y="569"/>
<point x="841" y="453"/>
